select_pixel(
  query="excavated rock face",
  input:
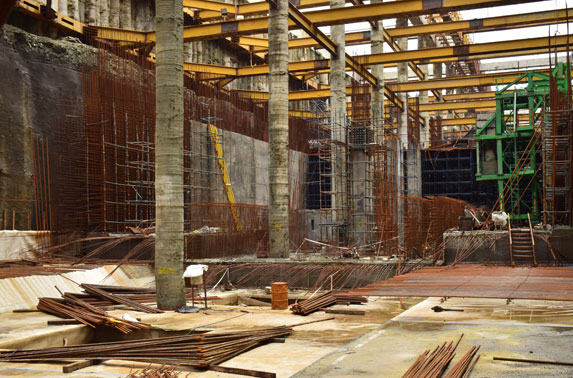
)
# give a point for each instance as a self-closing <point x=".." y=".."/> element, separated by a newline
<point x="38" y="73"/>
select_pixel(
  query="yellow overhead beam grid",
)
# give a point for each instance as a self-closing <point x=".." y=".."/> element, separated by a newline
<point x="345" y="15"/>
<point x="208" y="10"/>
<point x="445" y="83"/>
<point x="509" y="48"/>
<point x="476" y="25"/>
<point x="303" y="22"/>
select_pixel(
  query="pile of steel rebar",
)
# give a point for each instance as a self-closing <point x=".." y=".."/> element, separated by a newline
<point x="132" y="294"/>
<point x="465" y="365"/>
<point x="74" y="308"/>
<point x="200" y="350"/>
<point x="310" y="305"/>
<point x="329" y="298"/>
<point x="434" y="364"/>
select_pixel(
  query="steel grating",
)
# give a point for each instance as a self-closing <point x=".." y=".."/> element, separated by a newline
<point x="478" y="281"/>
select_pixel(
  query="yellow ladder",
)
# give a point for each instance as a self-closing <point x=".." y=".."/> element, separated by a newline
<point x="214" y="134"/>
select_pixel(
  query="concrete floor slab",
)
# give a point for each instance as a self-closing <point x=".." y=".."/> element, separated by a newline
<point x="391" y="349"/>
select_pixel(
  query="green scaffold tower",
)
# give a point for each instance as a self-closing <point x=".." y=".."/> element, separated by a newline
<point x="508" y="145"/>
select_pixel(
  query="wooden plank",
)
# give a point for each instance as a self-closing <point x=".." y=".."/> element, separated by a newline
<point x="239" y="371"/>
<point x="79" y="365"/>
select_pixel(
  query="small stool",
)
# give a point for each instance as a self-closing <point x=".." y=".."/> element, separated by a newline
<point x="195" y="282"/>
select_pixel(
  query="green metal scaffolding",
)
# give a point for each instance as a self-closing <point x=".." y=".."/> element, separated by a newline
<point x="508" y="145"/>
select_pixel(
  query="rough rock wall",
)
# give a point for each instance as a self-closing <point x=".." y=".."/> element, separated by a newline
<point x="37" y="74"/>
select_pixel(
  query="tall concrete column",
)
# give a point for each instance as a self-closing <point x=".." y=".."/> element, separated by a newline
<point x="104" y="12"/>
<point x="403" y="77"/>
<point x="338" y="76"/>
<point x="125" y="19"/>
<point x="169" y="125"/>
<point x="92" y="12"/>
<point x="63" y="7"/>
<point x="402" y="132"/>
<point x="74" y="10"/>
<point x="278" y="131"/>
<point x="361" y="160"/>
<point x="114" y="12"/>
<point x="424" y="42"/>
<point x="338" y="121"/>
<point x="377" y="47"/>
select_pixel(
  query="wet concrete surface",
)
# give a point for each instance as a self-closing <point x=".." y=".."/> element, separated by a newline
<point x="307" y="344"/>
<point x="519" y="329"/>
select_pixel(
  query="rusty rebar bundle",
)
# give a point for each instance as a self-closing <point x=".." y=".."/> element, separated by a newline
<point x="190" y="350"/>
<point x="308" y="306"/>
<point x="433" y="364"/>
<point x="87" y="314"/>
<point x="327" y="299"/>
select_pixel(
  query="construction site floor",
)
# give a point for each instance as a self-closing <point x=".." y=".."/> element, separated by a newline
<point x="540" y="330"/>
<point x="307" y="344"/>
<point x="383" y="342"/>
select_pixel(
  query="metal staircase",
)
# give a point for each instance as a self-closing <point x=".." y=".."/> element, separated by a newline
<point x="522" y="246"/>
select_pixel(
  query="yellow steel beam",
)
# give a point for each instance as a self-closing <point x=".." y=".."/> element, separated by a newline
<point x="445" y="83"/>
<point x="33" y="9"/>
<point x="345" y="15"/>
<point x="477" y="25"/>
<point x="124" y="35"/>
<point x="465" y="96"/>
<point x="514" y="48"/>
<point x="458" y="82"/>
<point x="465" y="51"/>
<point x="305" y="24"/>
<point x="210" y="69"/>
<point x="483" y="24"/>
<point x="459" y="121"/>
<point x="457" y="105"/>
<point x="210" y="10"/>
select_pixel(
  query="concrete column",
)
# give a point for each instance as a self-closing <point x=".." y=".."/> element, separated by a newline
<point x="438" y="73"/>
<point x="139" y="20"/>
<point x="403" y="77"/>
<point x="126" y="18"/>
<point x="362" y="187"/>
<point x="377" y="47"/>
<point x="104" y="12"/>
<point x="92" y="12"/>
<point x="450" y="72"/>
<point x="338" y="76"/>
<point x="74" y="10"/>
<point x="169" y="201"/>
<point x="338" y="121"/>
<point x="114" y="12"/>
<point x="63" y="7"/>
<point x="423" y="43"/>
<point x="278" y="131"/>
<point x="402" y="133"/>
